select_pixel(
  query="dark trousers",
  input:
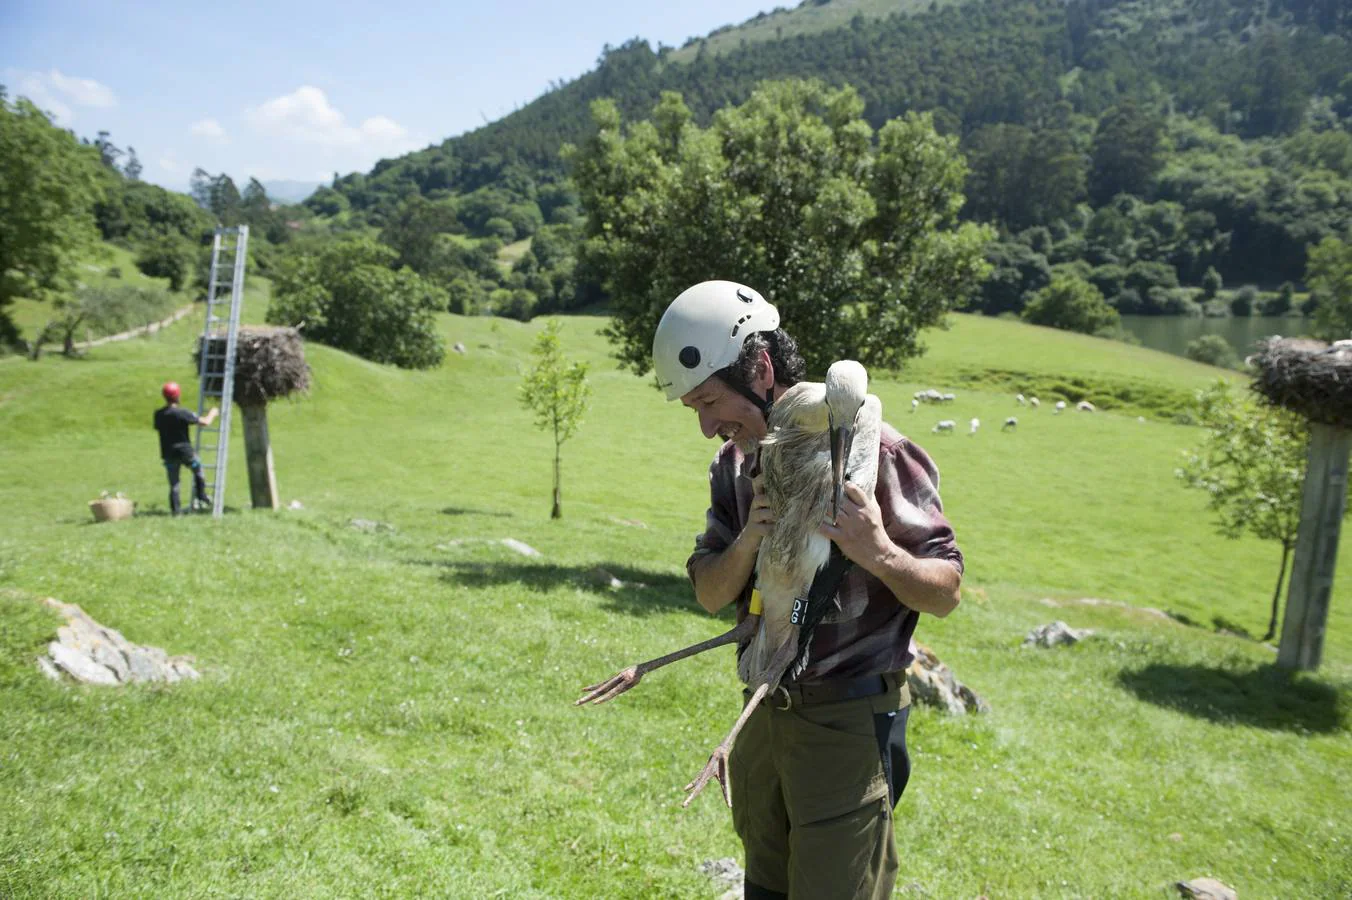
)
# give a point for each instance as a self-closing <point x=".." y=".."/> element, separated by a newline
<point x="813" y="789"/>
<point x="199" y="483"/>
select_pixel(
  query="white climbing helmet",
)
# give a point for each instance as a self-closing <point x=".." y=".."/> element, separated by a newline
<point x="702" y="331"/>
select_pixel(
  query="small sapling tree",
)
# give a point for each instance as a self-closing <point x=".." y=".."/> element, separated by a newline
<point x="557" y="392"/>
<point x="1252" y="465"/>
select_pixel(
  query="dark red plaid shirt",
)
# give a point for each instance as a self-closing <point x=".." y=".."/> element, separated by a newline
<point x="869" y="632"/>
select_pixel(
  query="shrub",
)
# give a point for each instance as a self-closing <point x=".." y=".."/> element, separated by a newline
<point x="1213" y="350"/>
<point x="500" y="228"/>
<point x="1244" y="301"/>
<point x="1071" y="304"/>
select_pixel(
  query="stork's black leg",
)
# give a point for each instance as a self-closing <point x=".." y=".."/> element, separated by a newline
<point x="622" y="681"/>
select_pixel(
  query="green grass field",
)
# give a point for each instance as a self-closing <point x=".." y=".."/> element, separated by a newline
<point x="388" y="714"/>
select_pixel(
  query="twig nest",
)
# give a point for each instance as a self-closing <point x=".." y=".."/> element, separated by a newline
<point x="1307" y="377"/>
<point x="269" y="363"/>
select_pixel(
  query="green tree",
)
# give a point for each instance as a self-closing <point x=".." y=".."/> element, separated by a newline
<point x="1126" y="153"/>
<point x="1071" y="304"/>
<point x="1329" y="275"/>
<point x="1213" y="350"/>
<point x="415" y="232"/>
<point x="168" y="257"/>
<point x="1211" y="283"/>
<point x="49" y="184"/>
<point x="348" y="297"/>
<point x="557" y="392"/>
<point x="855" y="241"/>
<point x="1251" y="464"/>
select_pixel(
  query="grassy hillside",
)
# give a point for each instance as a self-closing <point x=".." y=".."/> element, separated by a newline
<point x="387" y="713"/>
<point x="805" y="19"/>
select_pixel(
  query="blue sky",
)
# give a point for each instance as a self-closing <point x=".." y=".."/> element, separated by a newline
<point x="298" y="90"/>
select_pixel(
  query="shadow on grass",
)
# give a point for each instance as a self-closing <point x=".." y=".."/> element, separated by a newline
<point x="643" y="593"/>
<point x="1264" y="697"/>
<point x="469" y="511"/>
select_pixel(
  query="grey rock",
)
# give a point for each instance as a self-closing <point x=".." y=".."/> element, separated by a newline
<point x="370" y="526"/>
<point x="93" y="654"/>
<point x="933" y="684"/>
<point x="78" y="666"/>
<point x="522" y="548"/>
<point x="727" y="877"/>
<point x="1055" y="634"/>
<point x="46" y="667"/>
<point x="1206" y="889"/>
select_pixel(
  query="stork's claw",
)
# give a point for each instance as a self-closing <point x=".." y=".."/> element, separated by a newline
<point x="611" y="688"/>
<point x="716" y="767"/>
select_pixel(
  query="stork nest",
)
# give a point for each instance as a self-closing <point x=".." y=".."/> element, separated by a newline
<point x="269" y="363"/>
<point x="1307" y="377"/>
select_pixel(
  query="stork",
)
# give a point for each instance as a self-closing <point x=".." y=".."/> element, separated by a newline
<point x="819" y="435"/>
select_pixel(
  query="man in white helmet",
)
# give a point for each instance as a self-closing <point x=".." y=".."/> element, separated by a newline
<point x="815" y="780"/>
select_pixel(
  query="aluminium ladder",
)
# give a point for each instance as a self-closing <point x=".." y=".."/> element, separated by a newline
<point x="216" y="365"/>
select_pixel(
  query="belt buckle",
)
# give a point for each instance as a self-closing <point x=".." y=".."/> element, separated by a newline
<point x="788" y="698"/>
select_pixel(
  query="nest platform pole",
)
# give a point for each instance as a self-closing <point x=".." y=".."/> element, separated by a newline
<point x="258" y="454"/>
<point x="1321" y="515"/>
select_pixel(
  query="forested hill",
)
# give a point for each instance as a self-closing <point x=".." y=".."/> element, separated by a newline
<point x="1249" y="66"/>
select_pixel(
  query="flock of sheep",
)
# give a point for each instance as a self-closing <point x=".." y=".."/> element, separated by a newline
<point x="949" y="426"/>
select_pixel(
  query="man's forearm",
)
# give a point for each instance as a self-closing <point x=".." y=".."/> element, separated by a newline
<point x="925" y="585"/>
<point x="720" y="577"/>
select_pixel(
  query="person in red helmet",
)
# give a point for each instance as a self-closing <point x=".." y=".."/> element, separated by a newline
<point x="172" y="422"/>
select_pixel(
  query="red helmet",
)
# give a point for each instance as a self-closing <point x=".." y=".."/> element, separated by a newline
<point x="171" y="391"/>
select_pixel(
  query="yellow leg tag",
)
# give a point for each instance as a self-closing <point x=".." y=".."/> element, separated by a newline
<point x="755" y="602"/>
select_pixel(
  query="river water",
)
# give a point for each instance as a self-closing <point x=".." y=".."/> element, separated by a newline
<point x="1172" y="334"/>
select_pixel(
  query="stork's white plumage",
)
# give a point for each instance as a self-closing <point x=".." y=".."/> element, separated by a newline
<point x="797" y="464"/>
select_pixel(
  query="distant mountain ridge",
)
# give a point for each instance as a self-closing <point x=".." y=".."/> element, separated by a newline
<point x="290" y="190"/>
<point x="973" y="64"/>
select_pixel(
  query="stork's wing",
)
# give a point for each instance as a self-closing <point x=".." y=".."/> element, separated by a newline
<point x="821" y="596"/>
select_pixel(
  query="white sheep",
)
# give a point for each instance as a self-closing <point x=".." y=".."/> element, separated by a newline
<point x="1019" y="398"/>
<point x="946" y="425"/>
<point x="914" y="404"/>
<point x="1060" y="405"/>
<point x="947" y="398"/>
<point x="1085" y="406"/>
<point x="1010" y="423"/>
<point x="1032" y="401"/>
<point x="976" y="423"/>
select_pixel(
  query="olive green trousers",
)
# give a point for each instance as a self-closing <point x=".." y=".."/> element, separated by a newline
<point x="810" y="797"/>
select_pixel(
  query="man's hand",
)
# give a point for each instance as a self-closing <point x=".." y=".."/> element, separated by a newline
<point x="209" y="417"/>
<point x="858" y="529"/>
<point x="760" y="519"/>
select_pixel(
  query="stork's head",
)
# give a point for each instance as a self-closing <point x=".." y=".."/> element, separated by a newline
<point x="846" y="388"/>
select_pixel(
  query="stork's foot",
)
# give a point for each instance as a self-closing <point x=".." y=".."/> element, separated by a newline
<point x="611" y="688"/>
<point x="716" y="767"/>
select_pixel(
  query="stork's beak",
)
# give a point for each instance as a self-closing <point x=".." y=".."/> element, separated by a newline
<point x="841" y="437"/>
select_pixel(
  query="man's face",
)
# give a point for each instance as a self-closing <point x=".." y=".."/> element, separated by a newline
<point x="727" y="414"/>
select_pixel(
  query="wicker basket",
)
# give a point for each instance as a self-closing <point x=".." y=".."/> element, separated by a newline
<point x="110" y="509"/>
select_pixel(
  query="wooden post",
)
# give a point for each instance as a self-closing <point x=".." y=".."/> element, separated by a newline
<point x="258" y="455"/>
<point x="1321" y="516"/>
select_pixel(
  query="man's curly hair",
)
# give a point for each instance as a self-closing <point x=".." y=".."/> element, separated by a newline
<point x="788" y="362"/>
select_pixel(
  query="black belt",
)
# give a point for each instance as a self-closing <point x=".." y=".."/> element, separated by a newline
<point x="836" y="690"/>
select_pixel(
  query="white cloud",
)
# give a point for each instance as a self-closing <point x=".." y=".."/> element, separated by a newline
<point x="306" y="115"/>
<point x="83" y="91"/>
<point x="57" y="93"/>
<point x="208" y="128"/>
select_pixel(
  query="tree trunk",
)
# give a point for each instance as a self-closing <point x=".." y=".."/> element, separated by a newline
<point x="1277" y="594"/>
<point x="557" y="512"/>
<point x="258" y="455"/>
